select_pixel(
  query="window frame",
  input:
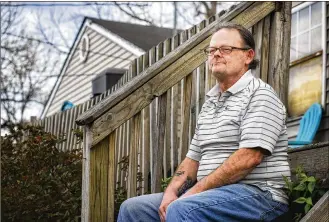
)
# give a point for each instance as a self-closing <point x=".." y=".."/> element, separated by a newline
<point x="83" y="55"/>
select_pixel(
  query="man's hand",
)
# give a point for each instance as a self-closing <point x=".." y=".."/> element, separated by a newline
<point x="168" y="197"/>
<point x="181" y="181"/>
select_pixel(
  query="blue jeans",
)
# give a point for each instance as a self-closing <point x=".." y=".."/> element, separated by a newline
<point x="236" y="202"/>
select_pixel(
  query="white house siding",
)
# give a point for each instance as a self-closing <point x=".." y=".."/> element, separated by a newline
<point x="76" y="85"/>
<point x="324" y="127"/>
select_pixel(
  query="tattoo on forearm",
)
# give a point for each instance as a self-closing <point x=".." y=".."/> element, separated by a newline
<point x="186" y="185"/>
<point x="178" y="173"/>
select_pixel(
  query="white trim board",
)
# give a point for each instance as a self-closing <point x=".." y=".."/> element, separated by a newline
<point x="63" y="71"/>
<point x="117" y="39"/>
<point x="99" y="29"/>
<point x="324" y="54"/>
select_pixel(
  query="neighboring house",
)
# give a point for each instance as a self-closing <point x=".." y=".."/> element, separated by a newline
<point x="101" y="53"/>
<point x="308" y="77"/>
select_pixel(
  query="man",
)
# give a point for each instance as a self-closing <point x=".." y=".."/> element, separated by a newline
<point x="233" y="169"/>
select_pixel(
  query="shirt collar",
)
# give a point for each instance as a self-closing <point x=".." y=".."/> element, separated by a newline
<point x="237" y="87"/>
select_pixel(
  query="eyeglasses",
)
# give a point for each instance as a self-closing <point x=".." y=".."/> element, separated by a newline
<point x="224" y="50"/>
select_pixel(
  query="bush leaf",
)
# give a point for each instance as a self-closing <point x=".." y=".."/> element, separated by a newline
<point x="300" y="187"/>
<point x="309" y="201"/>
<point x="307" y="208"/>
<point x="300" y="200"/>
<point x="311" y="186"/>
<point x="311" y="179"/>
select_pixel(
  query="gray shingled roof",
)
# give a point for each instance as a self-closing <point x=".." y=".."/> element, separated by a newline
<point x="145" y="37"/>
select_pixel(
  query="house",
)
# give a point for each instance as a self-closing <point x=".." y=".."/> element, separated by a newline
<point x="101" y="53"/>
<point x="308" y="77"/>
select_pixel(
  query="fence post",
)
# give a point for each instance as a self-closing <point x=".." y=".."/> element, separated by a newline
<point x="87" y="140"/>
<point x="279" y="50"/>
<point x="33" y="119"/>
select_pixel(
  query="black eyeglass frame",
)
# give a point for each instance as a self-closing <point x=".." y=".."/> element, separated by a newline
<point x="219" y="48"/>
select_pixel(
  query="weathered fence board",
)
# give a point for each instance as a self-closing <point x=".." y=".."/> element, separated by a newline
<point x="99" y="166"/>
<point x="146" y="137"/>
<point x="265" y="49"/>
<point x="111" y="176"/>
<point x="158" y="146"/>
<point x="186" y="117"/>
<point x="167" y="142"/>
<point x="279" y="50"/>
<point x="133" y="154"/>
<point x="319" y="211"/>
<point x="86" y="174"/>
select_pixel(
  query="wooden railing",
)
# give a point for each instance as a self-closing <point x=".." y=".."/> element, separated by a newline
<point x="147" y="124"/>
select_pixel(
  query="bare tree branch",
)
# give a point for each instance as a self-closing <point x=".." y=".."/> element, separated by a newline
<point x="183" y="16"/>
<point x="23" y="65"/>
<point x="132" y="14"/>
<point x="56" y="23"/>
<point x="98" y="10"/>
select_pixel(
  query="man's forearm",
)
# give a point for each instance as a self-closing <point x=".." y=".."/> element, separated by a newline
<point x="234" y="169"/>
<point x="184" y="177"/>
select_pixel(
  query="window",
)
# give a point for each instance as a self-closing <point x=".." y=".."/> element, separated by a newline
<point x="306" y="57"/>
<point x="306" y="31"/>
<point x="304" y="86"/>
<point x="84" y="48"/>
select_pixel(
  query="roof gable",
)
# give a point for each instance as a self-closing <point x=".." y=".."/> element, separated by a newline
<point x="145" y="37"/>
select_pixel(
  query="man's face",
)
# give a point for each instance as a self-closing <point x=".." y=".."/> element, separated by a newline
<point x="235" y="63"/>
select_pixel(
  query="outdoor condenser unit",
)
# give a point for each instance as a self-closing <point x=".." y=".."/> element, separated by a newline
<point x="105" y="80"/>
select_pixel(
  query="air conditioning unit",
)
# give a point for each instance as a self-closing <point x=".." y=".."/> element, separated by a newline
<point x="105" y="80"/>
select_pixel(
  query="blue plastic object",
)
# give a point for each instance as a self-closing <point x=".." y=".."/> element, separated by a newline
<point x="308" y="126"/>
<point x="66" y="105"/>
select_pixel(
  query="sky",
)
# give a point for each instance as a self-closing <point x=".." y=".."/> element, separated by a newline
<point x="59" y="22"/>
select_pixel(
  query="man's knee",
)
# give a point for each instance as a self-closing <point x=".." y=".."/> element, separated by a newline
<point x="130" y="205"/>
<point x="175" y="211"/>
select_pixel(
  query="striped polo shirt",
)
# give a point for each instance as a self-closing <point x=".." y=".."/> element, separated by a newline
<point x="249" y="114"/>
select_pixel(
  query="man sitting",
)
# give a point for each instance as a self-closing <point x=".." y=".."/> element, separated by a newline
<point x="233" y="169"/>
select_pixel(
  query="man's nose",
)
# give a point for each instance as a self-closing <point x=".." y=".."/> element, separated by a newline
<point x="217" y="52"/>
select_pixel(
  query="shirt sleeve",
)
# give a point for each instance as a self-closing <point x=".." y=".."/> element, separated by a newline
<point x="194" y="151"/>
<point x="263" y="120"/>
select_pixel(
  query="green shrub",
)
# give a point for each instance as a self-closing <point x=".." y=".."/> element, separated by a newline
<point x="165" y="182"/>
<point x="303" y="193"/>
<point x="38" y="181"/>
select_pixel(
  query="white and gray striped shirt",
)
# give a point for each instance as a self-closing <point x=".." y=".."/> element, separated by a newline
<point x="248" y="115"/>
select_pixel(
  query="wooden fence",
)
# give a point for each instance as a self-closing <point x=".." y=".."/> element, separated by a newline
<point x="139" y="134"/>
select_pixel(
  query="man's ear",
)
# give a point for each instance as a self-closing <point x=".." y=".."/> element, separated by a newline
<point x="250" y="56"/>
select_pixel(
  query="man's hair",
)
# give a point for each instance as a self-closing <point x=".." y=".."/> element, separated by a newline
<point x="245" y="35"/>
